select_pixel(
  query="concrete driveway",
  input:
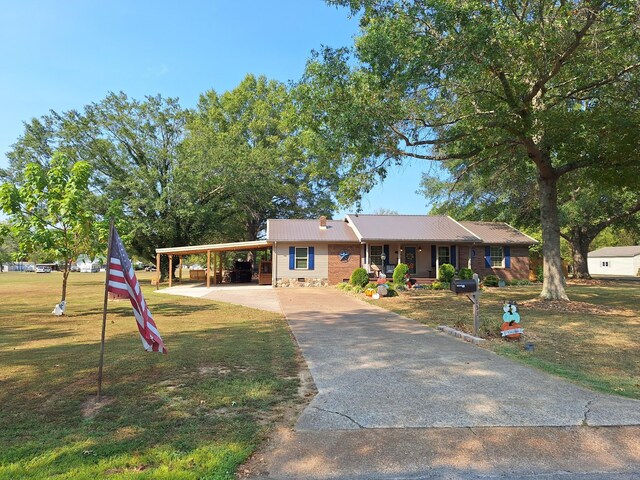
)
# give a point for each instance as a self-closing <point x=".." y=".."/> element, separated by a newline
<point x="375" y="369"/>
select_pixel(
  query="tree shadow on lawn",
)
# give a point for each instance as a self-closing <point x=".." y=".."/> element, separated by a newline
<point x="197" y="409"/>
<point x="122" y="308"/>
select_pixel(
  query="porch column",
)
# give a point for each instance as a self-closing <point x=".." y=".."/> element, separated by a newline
<point x="208" y="275"/>
<point x="157" y="271"/>
<point x="367" y="257"/>
<point x="180" y="267"/>
<point x="170" y="269"/>
<point x="220" y="267"/>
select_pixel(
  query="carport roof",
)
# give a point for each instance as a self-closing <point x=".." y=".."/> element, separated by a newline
<point x="215" y="247"/>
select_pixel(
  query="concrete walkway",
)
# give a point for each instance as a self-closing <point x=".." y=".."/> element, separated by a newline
<point x="262" y="297"/>
<point x="398" y="400"/>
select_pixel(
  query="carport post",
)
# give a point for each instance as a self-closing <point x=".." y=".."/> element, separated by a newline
<point x="208" y="268"/>
<point x="157" y="271"/>
<point x="170" y="268"/>
<point x="180" y="267"/>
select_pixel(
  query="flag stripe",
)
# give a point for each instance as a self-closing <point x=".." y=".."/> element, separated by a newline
<point x="122" y="281"/>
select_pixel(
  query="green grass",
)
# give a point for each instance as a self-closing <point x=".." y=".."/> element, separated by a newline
<point x="598" y="349"/>
<point x="197" y="412"/>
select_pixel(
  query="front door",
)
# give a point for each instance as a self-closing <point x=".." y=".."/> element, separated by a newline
<point x="410" y="259"/>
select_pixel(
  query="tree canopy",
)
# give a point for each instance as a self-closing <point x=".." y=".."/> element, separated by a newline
<point x="50" y="209"/>
<point x="508" y="87"/>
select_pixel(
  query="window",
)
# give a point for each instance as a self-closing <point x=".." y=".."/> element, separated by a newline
<point x="497" y="257"/>
<point x="444" y="255"/>
<point x="375" y="251"/>
<point x="302" y="258"/>
<point x="604" y="264"/>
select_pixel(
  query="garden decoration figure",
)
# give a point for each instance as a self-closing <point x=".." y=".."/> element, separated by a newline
<point x="511" y="328"/>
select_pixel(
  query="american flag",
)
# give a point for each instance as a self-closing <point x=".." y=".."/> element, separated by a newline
<point x="123" y="282"/>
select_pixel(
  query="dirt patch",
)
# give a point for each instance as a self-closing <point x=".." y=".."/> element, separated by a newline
<point x="91" y="406"/>
<point x="572" y="307"/>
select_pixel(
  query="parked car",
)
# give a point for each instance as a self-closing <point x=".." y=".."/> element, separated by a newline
<point x="150" y="268"/>
<point x="74" y="268"/>
<point x="43" y="269"/>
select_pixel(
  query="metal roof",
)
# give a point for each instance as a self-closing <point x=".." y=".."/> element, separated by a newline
<point x="418" y="228"/>
<point x="498" y="233"/>
<point x="609" y="252"/>
<point x="216" y="247"/>
<point x="303" y="230"/>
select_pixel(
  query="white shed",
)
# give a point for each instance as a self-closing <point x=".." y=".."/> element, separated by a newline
<point x="623" y="261"/>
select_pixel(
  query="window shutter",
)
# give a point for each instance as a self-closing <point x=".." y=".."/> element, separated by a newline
<point x="292" y="258"/>
<point x="487" y="257"/>
<point x="387" y="259"/>
<point x="453" y="256"/>
<point x="433" y="256"/>
<point x="312" y="261"/>
<point x="507" y="257"/>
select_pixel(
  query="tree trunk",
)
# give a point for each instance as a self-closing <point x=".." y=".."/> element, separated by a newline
<point x="65" y="277"/>
<point x="580" y="246"/>
<point x="554" y="282"/>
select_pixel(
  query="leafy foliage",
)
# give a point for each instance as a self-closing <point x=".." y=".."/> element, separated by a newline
<point x="465" y="274"/>
<point x="446" y="272"/>
<point x="399" y="272"/>
<point x="490" y="281"/>
<point x="50" y="209"/>
<point x="359" y="277"/>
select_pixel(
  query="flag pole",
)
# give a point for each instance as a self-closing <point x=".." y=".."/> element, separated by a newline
<point x="104" y="310"/>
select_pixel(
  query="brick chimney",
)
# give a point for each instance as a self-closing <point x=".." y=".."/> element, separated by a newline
<point x="323" y="222"/>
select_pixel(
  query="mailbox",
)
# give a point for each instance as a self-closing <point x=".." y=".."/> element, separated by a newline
<point x="464" y="286"/>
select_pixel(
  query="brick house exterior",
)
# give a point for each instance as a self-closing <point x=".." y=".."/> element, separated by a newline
<point x="340" y="269"/>
<point x="326" y="252"/>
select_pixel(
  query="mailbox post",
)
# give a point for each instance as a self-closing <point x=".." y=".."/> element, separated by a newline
<point x="472" y="289"/>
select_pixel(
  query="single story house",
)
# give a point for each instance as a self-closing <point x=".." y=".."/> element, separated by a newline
<point x="622" y="261"/>
<point x="325" y="252"/>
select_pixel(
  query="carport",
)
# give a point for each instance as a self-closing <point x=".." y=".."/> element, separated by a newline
<point x="214" y="259"/>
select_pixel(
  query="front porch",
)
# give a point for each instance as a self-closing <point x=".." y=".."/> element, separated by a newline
<point x="423" y="259"/>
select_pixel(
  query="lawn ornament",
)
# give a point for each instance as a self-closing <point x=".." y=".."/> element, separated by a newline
<point x="58" y="310"/>
<point x="511" y="321"/>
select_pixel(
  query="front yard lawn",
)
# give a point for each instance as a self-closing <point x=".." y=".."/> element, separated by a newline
<point x="197" y="412"/>
<point x="592" y="341"/>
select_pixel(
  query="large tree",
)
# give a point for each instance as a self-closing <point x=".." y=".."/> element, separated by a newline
<point x="496" y="85"/>
<point x="247" y="145"/>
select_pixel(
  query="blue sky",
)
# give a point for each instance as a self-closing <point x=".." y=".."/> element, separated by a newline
<point x="63" y="55"/>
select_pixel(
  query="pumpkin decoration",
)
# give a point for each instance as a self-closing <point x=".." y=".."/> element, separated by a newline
<point x="511" y="318"/>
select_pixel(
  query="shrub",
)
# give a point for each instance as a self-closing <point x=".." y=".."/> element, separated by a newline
<point x="359" y="277"/>
<point x="490" y="326"/>
<point x="391" y="291"/>
<point x="446" y="272"/>
<point x="516" y="282"/>
<point x="343" y="286"/>
<point x="373" y="285"/>
<point x="465" y="274"/>
<point x="490" y="281"/>
<point x="437" y="285"/>
<point x="399" y="273"/>
<point x="399" y="287"/>
<point x="357" y="289"/>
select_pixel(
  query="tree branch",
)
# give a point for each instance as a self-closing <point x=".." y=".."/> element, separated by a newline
<point x="561" y="60"/>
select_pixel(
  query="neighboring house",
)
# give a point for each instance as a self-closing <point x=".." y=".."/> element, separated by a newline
<point x="325" y="252"/>
<point x="623" y="261"/>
